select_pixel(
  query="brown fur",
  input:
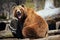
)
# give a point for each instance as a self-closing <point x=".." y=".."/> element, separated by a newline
<point x="34" y="25"/>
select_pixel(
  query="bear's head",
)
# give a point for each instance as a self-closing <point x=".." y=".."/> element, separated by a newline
<point x="19" y="11"/>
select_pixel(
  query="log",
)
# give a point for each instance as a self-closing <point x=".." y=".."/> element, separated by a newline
<point x="55" y="37"/>
<point x="5" y="21"/>
<point x="53" y="32"/>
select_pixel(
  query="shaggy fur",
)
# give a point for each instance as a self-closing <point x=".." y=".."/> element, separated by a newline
<point x="34" y="26"/>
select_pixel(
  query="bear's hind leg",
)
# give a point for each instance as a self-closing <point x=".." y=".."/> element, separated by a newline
<point x="29" y="32"/>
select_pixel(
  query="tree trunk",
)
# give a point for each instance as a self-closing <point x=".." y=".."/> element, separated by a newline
<point x="49" y="4"/>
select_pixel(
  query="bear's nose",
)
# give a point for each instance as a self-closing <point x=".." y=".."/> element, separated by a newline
<point x="18" y="13"/>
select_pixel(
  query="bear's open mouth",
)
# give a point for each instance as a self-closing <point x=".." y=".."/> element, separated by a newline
<point x="19" y="14"/>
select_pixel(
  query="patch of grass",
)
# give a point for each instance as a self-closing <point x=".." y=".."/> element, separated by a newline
<point x="29" y="4"/>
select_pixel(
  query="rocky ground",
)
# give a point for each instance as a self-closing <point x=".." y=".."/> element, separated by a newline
<point x="7" y="35"/>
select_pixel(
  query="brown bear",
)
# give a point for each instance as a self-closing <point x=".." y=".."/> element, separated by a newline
<point x="34" y="26"/>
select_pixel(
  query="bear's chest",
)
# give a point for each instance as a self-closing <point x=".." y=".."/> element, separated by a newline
<point x="30" y="21"/>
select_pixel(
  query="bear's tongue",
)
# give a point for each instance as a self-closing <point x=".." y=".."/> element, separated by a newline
<point x="19" y="17"/>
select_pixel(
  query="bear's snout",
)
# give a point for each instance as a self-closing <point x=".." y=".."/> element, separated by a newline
<point x="18" y="13"/>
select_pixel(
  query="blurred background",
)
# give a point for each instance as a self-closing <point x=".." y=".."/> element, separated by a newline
<point x="6" y="5"/>
<point x="38" y="5"/>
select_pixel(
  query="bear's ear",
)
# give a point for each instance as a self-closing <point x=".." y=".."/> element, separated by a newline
<point x="13" y="7"/>
<point x="23" y="5"/>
